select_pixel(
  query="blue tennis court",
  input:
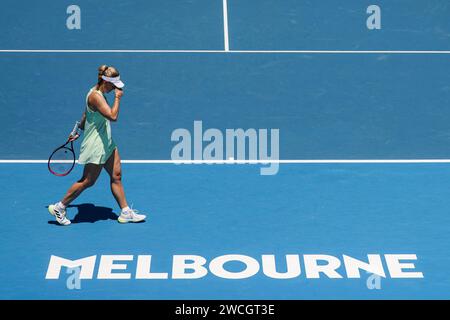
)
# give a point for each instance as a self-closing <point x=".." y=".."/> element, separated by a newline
<point x="356" y="203"/>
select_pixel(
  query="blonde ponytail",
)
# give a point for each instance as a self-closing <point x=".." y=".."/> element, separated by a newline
<point x="101" y="72"/>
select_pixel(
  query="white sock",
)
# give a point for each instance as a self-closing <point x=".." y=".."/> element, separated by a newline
<point x="60" y="206"/>
<point x="125" y="209"/>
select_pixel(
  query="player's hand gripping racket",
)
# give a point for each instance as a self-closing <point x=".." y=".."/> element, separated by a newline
<point x="62" y="160"/>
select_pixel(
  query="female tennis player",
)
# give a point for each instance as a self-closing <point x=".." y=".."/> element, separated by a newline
<point x="98" y="149"/>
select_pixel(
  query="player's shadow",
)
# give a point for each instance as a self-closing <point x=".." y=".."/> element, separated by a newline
<point x="87" y="212"/>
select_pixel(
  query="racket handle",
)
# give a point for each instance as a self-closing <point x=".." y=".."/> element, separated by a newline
<point x="75" y="128"/>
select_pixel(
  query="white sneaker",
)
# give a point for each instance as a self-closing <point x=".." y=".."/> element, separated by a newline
<point x="60" y="215"/>
<point x="131" y="216"/>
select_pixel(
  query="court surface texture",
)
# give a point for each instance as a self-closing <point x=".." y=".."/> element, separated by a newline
<point x="363" y="175"/>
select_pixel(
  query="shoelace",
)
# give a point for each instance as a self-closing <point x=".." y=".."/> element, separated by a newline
<point x="133" y="211"/>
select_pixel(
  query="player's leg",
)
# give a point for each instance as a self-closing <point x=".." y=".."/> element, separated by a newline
<point x="90" y="175"/>
<point x="112" y="166"/>
<point x="114" y="169"/>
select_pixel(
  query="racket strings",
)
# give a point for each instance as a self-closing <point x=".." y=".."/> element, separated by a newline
<point x="61" y="161"/>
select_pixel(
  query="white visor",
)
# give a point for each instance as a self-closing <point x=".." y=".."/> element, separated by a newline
<point x="115" y="81"/>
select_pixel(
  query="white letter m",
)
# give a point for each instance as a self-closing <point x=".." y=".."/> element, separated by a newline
<point x="87" y="266"/>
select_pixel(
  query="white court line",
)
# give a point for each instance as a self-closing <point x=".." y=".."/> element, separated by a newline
<point x="346" y="51"/>
<point x="318" y="161"/>
<point x="225" y="26"/>
<point x="105" y="51"/>
<point x="228" y="51"/>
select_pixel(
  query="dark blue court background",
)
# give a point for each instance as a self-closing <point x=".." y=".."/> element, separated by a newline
<point x="327" y="106"/>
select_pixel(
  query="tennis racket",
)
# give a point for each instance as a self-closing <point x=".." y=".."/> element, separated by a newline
<point x="62" y="160"/>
